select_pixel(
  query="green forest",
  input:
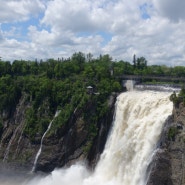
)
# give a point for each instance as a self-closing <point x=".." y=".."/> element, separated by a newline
<point x="62" y="85"/>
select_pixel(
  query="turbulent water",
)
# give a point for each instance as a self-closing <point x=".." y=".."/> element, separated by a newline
<point x="138" y="122"/>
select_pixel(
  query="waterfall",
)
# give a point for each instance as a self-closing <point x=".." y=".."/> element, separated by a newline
<point x="40" y="149"/>
<point x="139" y="120"/>
<point x="137" y="126"/>
<point x="138" y="123"/>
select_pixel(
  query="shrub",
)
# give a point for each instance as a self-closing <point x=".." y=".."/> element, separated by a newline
<point x="172" y="132"/>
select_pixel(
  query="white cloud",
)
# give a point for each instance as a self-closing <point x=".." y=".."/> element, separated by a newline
<point x="156" y="39"/>
<point x="55" y="44"/>
<point x="68" y="15"/>
<point x="121" y="28"/>
<point x="91" y="16"/>
<point x="19" y="10"/>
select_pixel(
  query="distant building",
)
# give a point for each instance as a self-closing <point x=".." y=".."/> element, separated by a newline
<point x="89" y="89"/>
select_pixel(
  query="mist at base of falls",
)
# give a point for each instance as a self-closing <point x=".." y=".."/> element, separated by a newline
<point x="139" y="120"/>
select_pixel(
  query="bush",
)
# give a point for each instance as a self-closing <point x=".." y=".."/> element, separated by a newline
<point x="172" y="132"/>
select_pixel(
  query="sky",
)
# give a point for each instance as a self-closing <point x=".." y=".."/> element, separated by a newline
<point x="42" y="29"/>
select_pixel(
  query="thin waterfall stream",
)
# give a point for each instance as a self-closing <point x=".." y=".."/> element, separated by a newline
<point x="40" y="149"/>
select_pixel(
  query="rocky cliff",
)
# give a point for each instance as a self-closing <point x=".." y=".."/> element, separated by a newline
<point x="74" y="141"/>
<point x="168" y="164"/>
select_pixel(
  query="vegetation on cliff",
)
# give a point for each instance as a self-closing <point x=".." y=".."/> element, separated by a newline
<point x="62" y="85"/>
<point x="57" y="85"/>
<point x="178" y="98"/>
<point x="32" y="91"/>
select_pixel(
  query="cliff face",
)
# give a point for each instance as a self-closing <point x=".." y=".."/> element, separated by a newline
<point x="168" y="164"/>
<point x="70" y="143"/>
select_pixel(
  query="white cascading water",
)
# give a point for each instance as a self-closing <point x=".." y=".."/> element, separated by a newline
<point x="40" y="149"/>
<point x="137" y="126"/>
<point x="138" y="123"/>
<point x="130" y="85"/>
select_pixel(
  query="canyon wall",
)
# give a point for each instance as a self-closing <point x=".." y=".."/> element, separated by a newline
<point x="74" y="141"/>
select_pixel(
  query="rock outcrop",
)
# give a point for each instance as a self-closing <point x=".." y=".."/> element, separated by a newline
<point x="168" y="164"/>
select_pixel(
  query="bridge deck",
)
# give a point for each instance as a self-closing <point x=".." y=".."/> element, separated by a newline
<point x="160" y="78"/>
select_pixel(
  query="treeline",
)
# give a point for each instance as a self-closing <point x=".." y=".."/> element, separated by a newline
<point x="62" y="68"/>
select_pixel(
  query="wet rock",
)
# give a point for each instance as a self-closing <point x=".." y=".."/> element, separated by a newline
<point x="168" y="165"/>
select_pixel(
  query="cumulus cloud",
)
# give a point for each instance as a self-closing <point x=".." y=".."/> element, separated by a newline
<point x="67" y="19"/>
<point x="69" y="15"/>
<point x="91" y="16"/>
<point x="158" y="40"/>
<point x="13" y="11"/>
<point x="121" y="28"/>
<point x="65" y="43"/>
<point x="13" y="49"/>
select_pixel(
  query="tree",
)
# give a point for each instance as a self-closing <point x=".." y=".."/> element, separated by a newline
<point x="106" y="58"/>
<point x="79" y="59"/>
<point x="141" y="63"/>
<point x="89" y="57"/>
<point x="134" y="60"/>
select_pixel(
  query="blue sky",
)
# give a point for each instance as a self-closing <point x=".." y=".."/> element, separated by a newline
<point x="144" y="12"/>
<point x="19" y="30"/>
<point x="45" y="29"/>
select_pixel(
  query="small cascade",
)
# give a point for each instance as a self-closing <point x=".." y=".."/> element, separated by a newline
<point x="10" y="143"/>
<point x="75" y="110"/>
<point x="40" y="149"/>
<point x="18" y="143"/>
